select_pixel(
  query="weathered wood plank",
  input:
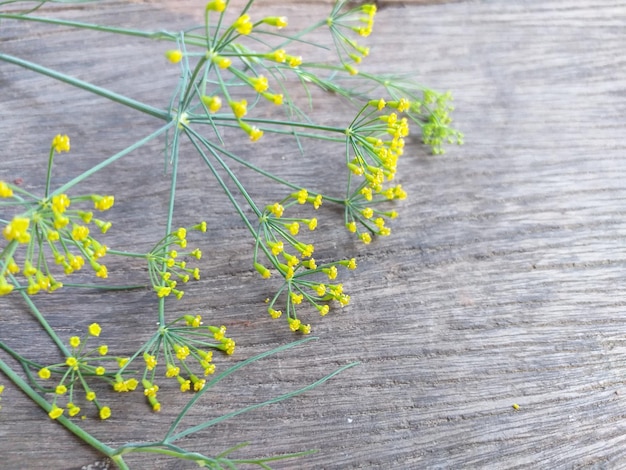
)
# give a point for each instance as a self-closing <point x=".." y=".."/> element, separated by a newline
<point x="500" y="284"/>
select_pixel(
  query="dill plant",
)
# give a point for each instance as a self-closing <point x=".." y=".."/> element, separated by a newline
<point x="228" y="72"/>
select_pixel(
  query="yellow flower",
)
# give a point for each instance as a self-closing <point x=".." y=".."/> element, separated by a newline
<point x="80" y="232"/>
<point x="55" y="412"/>
<point x="5" y="190"/>
<point x="222" y="62"/>
<point x="192" y="321"/>
<point x="100" y="370"/>
<point x="296" y="298"/>
<point x="71" y="361"/>
<point x="102" y="350"/>
<point x="243" y="25"/>
<point x="240" y="108"/>
<point x="102" y="272"/>
<point x="44" y="373"/>
<point x="228" y="346"/>
<point x="274" y="313"/>
<point x="105" y="412"/>
<point x="254" y="132"/>
<point x="218" y="333"/>
<point x="60" y="389"/>
<point x="198" y="384"/>
<point x="181" y="351"/>
<point x="262" y="270"/>
<point x="120" y="386"/>
<point x="163" y="291"/>
<point x="367" y="212"/>
<point x="294" y="325"/>
<point x="278" y="55"/>
<point x="216" y="5"/>
<point x="259" y="83"/>
<point x="277" y="98"/>
<point x="150" y="360"/>
<point x="12" y="266"/>
<point x="174" y="56"/>
<point x="301" y="196"/>
<point x="350" y="69"/>
<point x="294" y="61"/>
<point x="307" y="250"/>
<point x="276" y="247"/>
<point x="277" y="21"/>
<point x="172" y="371"/>
<point x="17" y="229"/>
<point x="74" y="341"/>
<point x="293" y="228"/>
<point x="94" y="329"/>
<point x="103" y="203"/>
<point x="61" y="143"/>
<point x="150" y="389"/>
<point x="277" y="209"/>
<point x="131" y="384"/>
<point x="213" y="103"/>
<point x="185" y="385"/>
<point x="73" y="410"/>
<point x="5" y="287"/>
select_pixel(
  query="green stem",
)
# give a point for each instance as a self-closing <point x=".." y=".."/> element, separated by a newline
<point x="49" y="173"/>
<point x="112" y="159"/>
<point x="95" y="27"/>
<point x="277" y="399"/>
<point x="221" y="181"/>
<point x="131" y="103"/>
<point x="303" y="125"/>
<point x="41" y="319"/>
<point x="168" y="435"/>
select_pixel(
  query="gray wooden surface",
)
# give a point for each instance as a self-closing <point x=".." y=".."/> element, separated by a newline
<point x="502" y="282"/>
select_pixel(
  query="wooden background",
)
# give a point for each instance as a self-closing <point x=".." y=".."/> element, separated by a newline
<point x="502" y="282"/>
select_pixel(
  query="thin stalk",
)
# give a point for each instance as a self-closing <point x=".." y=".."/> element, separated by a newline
<point x="95" y="27"/>
<point x="303" y="125"/>
<point x="41" y="319"/>
<point x="116" y="97"/>
<point x="277" y="399"/>
<point x="221" y="182"/>
<point x="223" y="375"/>
<point x="112" y="159"/>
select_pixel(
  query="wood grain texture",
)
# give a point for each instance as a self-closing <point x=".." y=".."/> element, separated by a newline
<point x="501" y="284"/>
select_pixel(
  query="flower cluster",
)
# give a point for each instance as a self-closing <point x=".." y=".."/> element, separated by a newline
<point x="312" y="285"/>
<point x="428" y="109"/>
<point x="49" y="223"/>
<point x="375" y="142"/>
<point x="79" y="366"/>
<point x="179" y="345"/>
<point x="223" y="79"/>
<point x="359" y="20"/>
<point x="293" y="259"/>
<point x="276" y="233"/>
<point x="436" y="130"/>
<point x="167" y="266"/>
